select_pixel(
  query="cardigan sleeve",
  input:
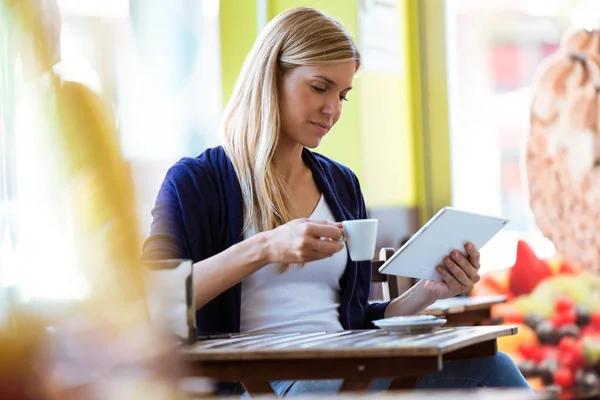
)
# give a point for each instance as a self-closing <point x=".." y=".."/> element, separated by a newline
<point x="373" y="311"/>
<point x="183" y="214"/>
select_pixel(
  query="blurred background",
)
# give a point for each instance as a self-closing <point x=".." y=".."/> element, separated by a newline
<point x="440" y="114"/>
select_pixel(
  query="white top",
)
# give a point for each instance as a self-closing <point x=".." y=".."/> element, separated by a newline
<point x="303" y="299"/>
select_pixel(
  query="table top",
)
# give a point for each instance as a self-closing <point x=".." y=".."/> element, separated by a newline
<point x="461" y="304"/>
<point x="342" y="344"/>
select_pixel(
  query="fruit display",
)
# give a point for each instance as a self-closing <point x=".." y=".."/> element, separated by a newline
<point x="562" y="349"/>
<point x="556" y="306"/>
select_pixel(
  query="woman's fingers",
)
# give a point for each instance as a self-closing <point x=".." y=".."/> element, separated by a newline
<point x="473" y="255"/>
<point x="324" y="229"/>
<point x="457" y="272"/>
<point x="466" y="265"/>
<point x="450" y="280"/>
<point x="324" y="246"/>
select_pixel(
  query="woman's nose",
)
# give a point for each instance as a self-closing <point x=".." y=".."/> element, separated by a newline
<point x="332" y="107"/>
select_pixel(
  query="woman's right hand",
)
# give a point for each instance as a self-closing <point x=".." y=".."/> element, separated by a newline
<point x="302" y="240"/>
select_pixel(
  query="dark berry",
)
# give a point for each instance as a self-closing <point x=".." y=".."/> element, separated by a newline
<point x="583" y="315"/>
<point x="528" y="368"/>
<point x="571" y="330"/>
<point x="546" y="333"/>
<point x="586" y="380"/>
<point x="532" y="320"/>
<point x="546" y="370"/>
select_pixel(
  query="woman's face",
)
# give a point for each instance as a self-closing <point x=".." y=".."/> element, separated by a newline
<point x="310" y="100"/>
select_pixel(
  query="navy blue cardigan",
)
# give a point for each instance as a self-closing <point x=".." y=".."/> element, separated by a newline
<point x="199" y="213"/>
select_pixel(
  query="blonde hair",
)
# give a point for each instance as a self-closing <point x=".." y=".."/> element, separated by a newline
<point x="251" y="122"/>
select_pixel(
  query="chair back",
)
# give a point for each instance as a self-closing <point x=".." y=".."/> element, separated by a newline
<point x="389" y="283"/>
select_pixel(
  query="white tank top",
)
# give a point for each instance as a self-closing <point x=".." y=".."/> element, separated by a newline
<point x="303" y="299"/>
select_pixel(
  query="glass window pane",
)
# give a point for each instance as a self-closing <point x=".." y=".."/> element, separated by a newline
<point x="495" y="48"/>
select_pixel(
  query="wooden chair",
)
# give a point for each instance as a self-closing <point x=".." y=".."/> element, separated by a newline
<point x="390" y="283"/>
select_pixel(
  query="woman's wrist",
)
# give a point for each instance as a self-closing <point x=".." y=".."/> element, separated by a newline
<point x="428" y="295"/>
<point x="261" y="244"/>
<point x="413" y="301"/>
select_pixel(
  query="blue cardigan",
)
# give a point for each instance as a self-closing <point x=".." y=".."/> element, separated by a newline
<point x="199" y="213"/>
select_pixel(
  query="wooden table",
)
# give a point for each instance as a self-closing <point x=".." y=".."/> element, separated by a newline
<point x="357" y="357"/>
<point x="465" y="311"/>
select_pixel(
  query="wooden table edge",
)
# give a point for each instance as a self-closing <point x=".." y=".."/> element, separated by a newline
<point x="350" y="353"/>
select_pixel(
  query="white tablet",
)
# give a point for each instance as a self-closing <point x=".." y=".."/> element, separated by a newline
<point x="447" y="230"/>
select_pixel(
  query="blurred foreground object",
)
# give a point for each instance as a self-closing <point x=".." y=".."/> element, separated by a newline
<point x="557" y="309"/>
<point x="563" y="150"/>
<point x="104" y="345"/>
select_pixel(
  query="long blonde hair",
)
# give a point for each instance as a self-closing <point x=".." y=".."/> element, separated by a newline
<point x="251" y="121"/>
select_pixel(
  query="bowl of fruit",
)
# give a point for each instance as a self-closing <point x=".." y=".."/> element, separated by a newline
<point x="561" y="349"/>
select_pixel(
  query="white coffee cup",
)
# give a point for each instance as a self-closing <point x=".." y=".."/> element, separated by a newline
<point x="360" y="236"/>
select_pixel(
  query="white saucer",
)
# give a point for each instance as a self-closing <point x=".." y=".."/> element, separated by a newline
<point x="410" y="324"/>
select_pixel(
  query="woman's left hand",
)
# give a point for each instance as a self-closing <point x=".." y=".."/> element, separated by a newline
<point x="460" y="273"/>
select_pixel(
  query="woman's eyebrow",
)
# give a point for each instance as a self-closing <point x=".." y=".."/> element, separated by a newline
<point x="330" y="81"/>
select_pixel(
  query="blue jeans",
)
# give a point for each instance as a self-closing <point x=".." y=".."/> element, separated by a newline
<point x="495" y="371"/>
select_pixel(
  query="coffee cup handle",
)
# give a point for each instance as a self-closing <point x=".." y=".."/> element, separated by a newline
<point x="344" y="237"/>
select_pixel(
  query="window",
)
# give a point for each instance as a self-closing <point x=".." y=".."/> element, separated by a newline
<point x="494" y="50"/>
<point x="160" y="73"/>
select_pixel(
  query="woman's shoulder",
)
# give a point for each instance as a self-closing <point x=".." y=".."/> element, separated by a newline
<point x="203" y="168"/>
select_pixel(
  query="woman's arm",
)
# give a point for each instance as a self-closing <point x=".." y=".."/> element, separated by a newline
<point x="460" y="273"/>
<point x="218" y="273"/>
<point x="297" y="242"/>
<point x="411" y="302"/>
<point x="184" y="226"/>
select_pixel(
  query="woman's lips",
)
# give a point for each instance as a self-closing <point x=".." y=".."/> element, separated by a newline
<point x="323" y="128"/>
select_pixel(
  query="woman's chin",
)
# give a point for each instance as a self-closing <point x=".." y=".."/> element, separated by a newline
<point x="313" y="143"/>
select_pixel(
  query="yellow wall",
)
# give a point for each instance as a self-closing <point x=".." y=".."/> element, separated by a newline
<point x="386" y="140"/>
<point x="375" y="136"/>
<point x="237" y="20"/>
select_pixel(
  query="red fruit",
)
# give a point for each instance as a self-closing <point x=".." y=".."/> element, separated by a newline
<point x="589" y="330"/>
<point x="572" y="360"/>
<point x="566" y="318"/>
<point x="595" y="319"/>
<point x="564" y="377"/>
<point x="570" y="353"/>
<point x="527" y="272"/>
<point x="530" y="351"/>
<point x="568" y="344"/>
<point x="545" y="353"/>
<point x="567" y="268"/>
<point x="556" y="320"/>
<point x="569" y="317"/>
<point x="563" y="304"/>
<point x="513" y="317"/>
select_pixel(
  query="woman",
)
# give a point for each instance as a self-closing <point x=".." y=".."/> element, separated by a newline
<point x="258" y="215"/>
